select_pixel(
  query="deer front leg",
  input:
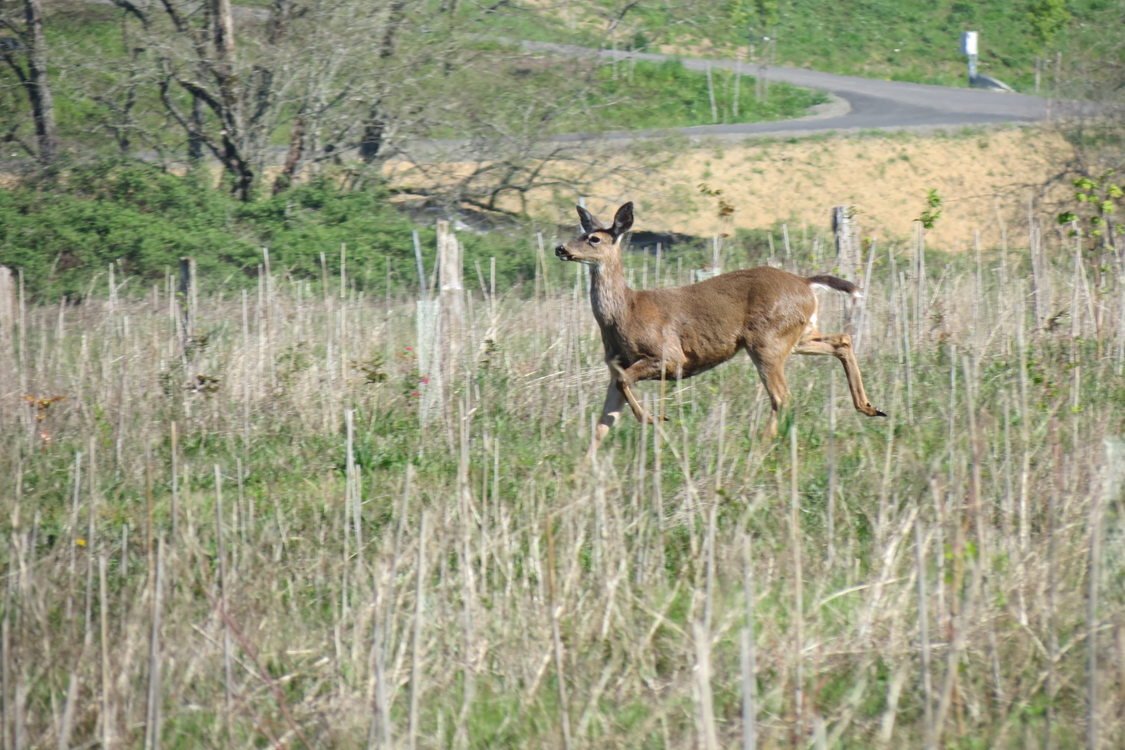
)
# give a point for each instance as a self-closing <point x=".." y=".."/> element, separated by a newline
<point x="638" y="410"/>
<point x="644" y="369"/>
<point x="611" y="412"/>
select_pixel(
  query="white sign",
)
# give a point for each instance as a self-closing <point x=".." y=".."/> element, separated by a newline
<point x="968" y="42"/>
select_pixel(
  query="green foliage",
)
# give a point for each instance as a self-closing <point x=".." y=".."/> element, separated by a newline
<point x="1047" y="19"/>
<point x="932" y="212"/>
<point x="62" y="232"/>
<point x="1098" y="200"/>
<point x="626" y="95"/>
<point x="756" y="17"/>
<point x="114" y="106"/>
<point x="316" y="219"/>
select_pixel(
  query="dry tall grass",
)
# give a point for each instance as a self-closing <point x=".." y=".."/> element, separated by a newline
<point x="247" y="539"/>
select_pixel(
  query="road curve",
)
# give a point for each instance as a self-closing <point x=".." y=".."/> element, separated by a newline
<point x="857" y="103"/>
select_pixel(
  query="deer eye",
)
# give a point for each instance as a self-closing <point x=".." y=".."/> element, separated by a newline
<point x="594" y="239"/>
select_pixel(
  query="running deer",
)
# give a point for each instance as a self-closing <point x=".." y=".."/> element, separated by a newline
<point x="682" y="331"/>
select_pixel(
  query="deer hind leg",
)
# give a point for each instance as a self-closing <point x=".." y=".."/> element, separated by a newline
<point x="771" y="369"/>
<point x="840" y="347"/>
<point x="611" y="412"/>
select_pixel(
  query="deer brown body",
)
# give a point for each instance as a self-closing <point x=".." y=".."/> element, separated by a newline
<point x="679" y="332"/>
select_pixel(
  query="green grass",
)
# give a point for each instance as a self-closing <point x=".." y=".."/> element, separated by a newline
<point x="891" y="39"/>
<point x="668" y="95"/>
<point x="294" y="550"/>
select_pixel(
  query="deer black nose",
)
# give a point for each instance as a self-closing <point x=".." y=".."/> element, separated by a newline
<point x="560" y="252"/>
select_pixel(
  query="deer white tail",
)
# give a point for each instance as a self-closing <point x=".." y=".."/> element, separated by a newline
<point x="836" y="284"/>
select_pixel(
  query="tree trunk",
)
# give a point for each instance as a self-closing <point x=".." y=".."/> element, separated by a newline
<point x="37" y="85"/>
<point x="224" y="30"/>
<point x="196" y="143"/>
<point x="371" y="143"/>
<point x="293" y="158"/>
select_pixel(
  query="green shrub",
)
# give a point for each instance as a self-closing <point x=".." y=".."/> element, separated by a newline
<point x="61" y="232"/>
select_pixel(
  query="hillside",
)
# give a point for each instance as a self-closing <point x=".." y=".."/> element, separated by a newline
<point x="893" y="39"/>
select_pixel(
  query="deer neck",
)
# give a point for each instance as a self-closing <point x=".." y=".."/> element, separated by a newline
<point x="609" y="295"/>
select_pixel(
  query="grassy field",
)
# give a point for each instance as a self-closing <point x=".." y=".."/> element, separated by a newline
<point x="232" y="530"/>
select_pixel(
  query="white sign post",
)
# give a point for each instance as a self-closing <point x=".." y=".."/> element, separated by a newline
<point x="969" y="47"/>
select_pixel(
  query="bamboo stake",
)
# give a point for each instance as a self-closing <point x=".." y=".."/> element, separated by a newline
<point x="175" y="458"/>
<point x="830" y="457"/>
<point x="924" y="638"/>
<point x="66" y="725"/>
<point x="353" y="484"/>
<point x="379" y="733"/>
<point x="107" y="721"/>
<point x="468" y="587"/>
<point x="861" y="323"/>
<point x="795" y="537"/>
<point x="1050" y="684"/>
<point x="708" y="734"/>
<point x="220" y="554"/>
<point x="747" y="654"/>
<point x="152" y="713"/>
<point x="555" y="609"/>
<point x="72" y="531"/>
<point x="1111" y="480"/>
<point x="416" y="643"/>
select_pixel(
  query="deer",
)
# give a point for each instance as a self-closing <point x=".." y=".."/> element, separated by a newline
<point x="672" y="333"/>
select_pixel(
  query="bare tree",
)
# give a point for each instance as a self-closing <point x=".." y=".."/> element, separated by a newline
<point x="346" y="86"/>
<point x="491" y="125"/>
<point x="210" y="75"/>
<point x="237" y="82"/>
<point x="25" y="54"/>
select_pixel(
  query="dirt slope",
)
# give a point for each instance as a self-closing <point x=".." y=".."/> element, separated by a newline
<point x="987" y="181"/>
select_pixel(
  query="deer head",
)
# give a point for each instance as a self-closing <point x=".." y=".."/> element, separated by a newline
<point x="597" y="243"/>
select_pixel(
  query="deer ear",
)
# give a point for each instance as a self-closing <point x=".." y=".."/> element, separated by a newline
<point x="623" y="220"/>
<point x="589" y="223"/>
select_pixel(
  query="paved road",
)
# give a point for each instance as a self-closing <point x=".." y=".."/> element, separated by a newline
<point x="857" y="103"/>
